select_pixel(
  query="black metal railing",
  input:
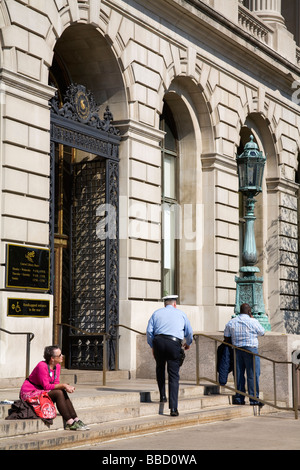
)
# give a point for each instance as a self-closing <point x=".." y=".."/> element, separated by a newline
<point x="29" y="338"/>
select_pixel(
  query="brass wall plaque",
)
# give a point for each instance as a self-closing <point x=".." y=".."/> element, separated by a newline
<point x="28" y="308"/>
<point x="27" y="267"/>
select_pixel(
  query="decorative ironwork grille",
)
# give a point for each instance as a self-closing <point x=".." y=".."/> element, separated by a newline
<point x="88" y="310"/>
<point x="112" y="256"/>
<point x="94" y="236"/>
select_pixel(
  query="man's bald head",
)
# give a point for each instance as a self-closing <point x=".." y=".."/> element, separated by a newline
<point x="246" y="309"/>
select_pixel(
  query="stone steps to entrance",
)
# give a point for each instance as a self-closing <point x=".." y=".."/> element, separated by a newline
<point x="121" y="408"/>
<point x="92" y="377"/>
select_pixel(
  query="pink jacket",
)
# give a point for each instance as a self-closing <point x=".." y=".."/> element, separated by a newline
<point x="41" y="378"/>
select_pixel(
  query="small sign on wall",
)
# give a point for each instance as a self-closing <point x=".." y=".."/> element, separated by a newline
<point x="28" y="308"/>
<point x="27" y="267"/>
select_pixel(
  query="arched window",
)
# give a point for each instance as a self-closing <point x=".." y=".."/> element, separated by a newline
<point x="170" y="207"/>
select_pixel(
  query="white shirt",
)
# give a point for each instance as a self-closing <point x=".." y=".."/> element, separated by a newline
<point x="244" y="331"/>
<point x="169" y="321"/>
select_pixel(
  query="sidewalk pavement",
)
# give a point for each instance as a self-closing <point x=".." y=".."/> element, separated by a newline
<point x="276" y="431"/>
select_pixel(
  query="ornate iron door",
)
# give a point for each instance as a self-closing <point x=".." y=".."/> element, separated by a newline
<point x="94" y="246"/>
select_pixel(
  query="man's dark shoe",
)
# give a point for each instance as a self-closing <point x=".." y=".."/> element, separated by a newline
<point x="163" y="399"/>
<point x="174" y="412"/>
<point x="237" y="402"/>
<point x="257" y="403"/>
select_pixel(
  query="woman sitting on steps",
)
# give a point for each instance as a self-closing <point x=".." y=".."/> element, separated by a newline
<point x="45" y="378"/>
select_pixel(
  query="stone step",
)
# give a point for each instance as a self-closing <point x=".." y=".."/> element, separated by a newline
<point x="127" y="406"/>
<point x="86" y="397"/>
<point x="74" y="376"/>
<point x="92" y="416"/>
<point x="101" y="432"/>
<point x="109" y="406"/>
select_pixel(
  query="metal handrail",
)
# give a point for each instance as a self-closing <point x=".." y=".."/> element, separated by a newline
<point x="234" y="389"/>
<point x="105" y="336"/>
<point x="29" y="338"/>
<point x="117" y="341"/>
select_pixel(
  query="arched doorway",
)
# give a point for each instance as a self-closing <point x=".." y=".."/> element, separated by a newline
<point x="84" y="196"/>
<point x="84" y="226"/>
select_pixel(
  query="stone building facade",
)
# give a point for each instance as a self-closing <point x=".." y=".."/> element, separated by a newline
<point x="187" y="82"/>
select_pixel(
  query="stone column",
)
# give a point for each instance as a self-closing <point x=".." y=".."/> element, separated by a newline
<point x="221" y="238"/>
<point x="140" y="232"/>
<point x="267" y="10"/>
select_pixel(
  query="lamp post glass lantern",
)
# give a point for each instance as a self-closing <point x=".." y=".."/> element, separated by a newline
<point x="250" y="166"/>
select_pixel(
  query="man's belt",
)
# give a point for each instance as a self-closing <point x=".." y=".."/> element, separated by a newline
<point x="173" y="338"/>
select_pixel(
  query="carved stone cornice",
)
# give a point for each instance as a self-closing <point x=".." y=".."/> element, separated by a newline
<point x="211" y="161"/>
<point x="282" y="185"/>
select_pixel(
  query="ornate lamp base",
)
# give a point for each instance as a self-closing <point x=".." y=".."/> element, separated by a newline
<point x="249" y="289"/>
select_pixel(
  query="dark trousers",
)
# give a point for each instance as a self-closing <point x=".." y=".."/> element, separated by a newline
<point x="244" y="363"/>
<point x="167" y="352"/>
<point x="63" y="403"/>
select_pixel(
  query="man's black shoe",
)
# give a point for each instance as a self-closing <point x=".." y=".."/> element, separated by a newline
<point x="237" y="402"/>
<point x="257" y="403"/>
<point x="174" y="412"/>
<point x="163" y="399"/>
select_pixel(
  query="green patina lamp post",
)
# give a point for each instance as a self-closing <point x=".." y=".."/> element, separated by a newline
<point x="249" y="288"/>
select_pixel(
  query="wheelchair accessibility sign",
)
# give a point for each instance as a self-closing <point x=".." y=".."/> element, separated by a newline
<point x="28" y="308"/>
